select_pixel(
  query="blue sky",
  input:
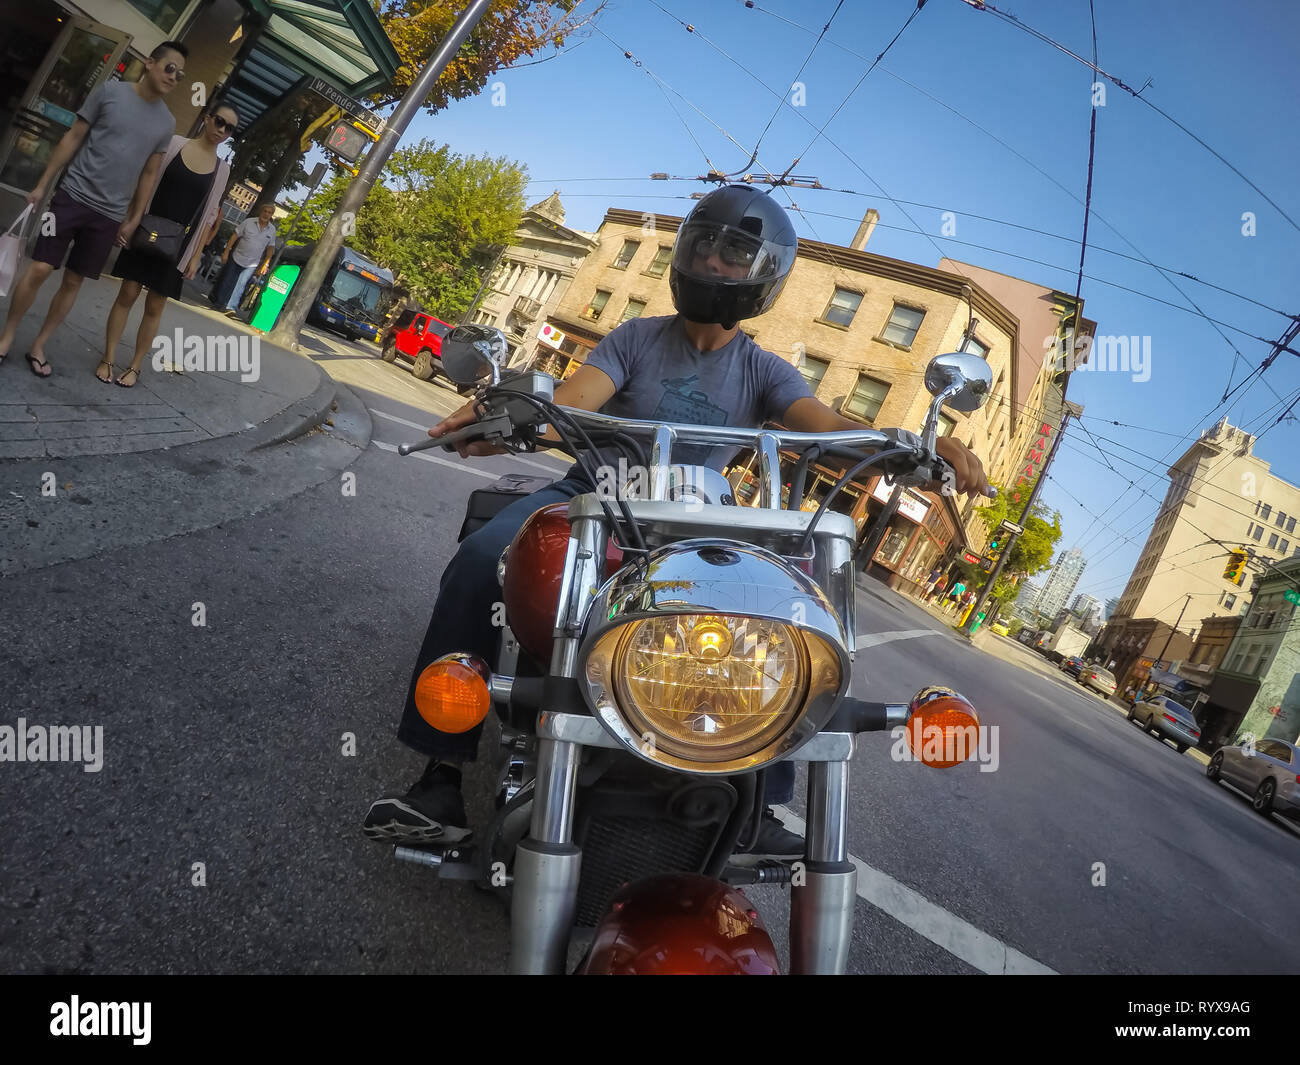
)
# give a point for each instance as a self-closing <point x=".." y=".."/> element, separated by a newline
<point x="592" y="124"/>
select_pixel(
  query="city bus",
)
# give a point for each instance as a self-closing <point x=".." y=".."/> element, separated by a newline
<point x="354" y="299"/>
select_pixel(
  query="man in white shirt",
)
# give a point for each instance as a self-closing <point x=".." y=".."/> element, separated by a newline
<point x="252" y="244"/>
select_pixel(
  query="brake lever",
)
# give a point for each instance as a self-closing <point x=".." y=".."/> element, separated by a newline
<point x="484" y="429"/>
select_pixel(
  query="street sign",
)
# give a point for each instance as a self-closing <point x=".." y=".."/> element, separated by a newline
<point x="1012" y="527"/>
<point x="346" y="103"/>
<point x="970" y="558"/>
<point x="548" y="334"/>
<point x="1291" y="596"/>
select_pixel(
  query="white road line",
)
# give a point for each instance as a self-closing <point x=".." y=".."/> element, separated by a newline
<point x="874" y="639"/>
<point x="959" y="938"/>
<point x="399" y="421"/>
<point x="459" y="467"/>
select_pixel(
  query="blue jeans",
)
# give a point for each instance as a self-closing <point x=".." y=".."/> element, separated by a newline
<point x="241" y="280"/>
<point x="462" y="621"/>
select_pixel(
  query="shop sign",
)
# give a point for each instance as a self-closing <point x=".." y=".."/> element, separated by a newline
<point x="910" y="505"/>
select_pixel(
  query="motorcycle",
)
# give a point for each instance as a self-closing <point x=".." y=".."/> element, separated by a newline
<point x="662" y="646"/>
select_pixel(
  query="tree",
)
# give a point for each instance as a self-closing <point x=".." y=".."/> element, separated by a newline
<point x="509" y="30"/>
<point x="1032" y="551"/>
<point x="431" y="221"/>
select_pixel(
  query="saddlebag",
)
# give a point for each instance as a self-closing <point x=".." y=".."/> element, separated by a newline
<point x="486" y="503"/>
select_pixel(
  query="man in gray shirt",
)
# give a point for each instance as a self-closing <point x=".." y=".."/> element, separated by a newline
<point x="114" y="147"/>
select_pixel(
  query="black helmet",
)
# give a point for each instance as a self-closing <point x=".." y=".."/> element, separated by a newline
<point x="732" y="255"/>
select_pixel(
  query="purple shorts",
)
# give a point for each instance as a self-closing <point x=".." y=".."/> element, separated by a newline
<point x="91" y="234"/>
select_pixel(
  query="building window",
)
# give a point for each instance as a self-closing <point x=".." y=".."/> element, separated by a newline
<point x="1258" y="534"/>
<point x="1251" y="530"/>
<point x="1290" y="525"/>
<point x="902" y="326"/>
<point x="661" y="260"/>
<point x="1283" y="545"/>
<point x="633" y="309"/>
<point x="1272" y="540"/>
<point x="867" y="398"/>
<point x="946" y="425"/>
<point x="1230" y="602"/>
<point x="1265" y="511"/>
<point x="1281" y="519"/>
<point x="976" y="348"/>
<point x="597" y="304"/>
<point x="813" y="370"/>
<point x="842" y="307"/>
<point x="626" y="254"/>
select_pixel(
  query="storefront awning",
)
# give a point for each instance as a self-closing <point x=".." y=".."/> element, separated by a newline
<point x="340" y="41"/>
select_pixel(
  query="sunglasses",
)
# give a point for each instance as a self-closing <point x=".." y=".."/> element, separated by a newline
<point x="224" y="125"/>
<point x="730" y="252"/>
<point x="172" y="68"/>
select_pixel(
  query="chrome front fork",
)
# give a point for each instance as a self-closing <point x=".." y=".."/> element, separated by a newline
<point x="548" y="862"/>
<point x="822" y="900"/>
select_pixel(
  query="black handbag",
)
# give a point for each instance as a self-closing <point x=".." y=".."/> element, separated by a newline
<point x="486" y="503"/>
<point x="159" y="236"/>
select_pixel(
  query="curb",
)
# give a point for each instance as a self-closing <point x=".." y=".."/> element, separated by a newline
<point x="298" y="418"/>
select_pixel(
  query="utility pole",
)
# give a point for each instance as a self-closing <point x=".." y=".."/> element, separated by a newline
<point x="1173" y="630"/>
<point x="343" y="221"/>
<point x="1011" y="539"/>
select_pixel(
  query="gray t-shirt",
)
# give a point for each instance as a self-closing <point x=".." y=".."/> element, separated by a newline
<point x="124" y="132"/>
<point x="253" y="241"/>
<point x="659" y="375"/>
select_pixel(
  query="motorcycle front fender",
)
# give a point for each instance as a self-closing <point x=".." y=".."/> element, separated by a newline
<point x="680" y="924"/>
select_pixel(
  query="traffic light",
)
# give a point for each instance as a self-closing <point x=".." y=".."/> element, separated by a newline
<point x="1235" y="570"/>
<point x="993" y="545"/>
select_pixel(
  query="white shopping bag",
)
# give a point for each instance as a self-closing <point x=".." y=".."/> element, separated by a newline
<point x="11" y="250"/>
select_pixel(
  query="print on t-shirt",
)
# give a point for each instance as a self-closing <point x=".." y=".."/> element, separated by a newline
<point x="681" y="403"/>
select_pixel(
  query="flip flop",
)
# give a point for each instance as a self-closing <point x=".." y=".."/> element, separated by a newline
<point x="109" y="379"/>
<point x="129" y="369"/>
<point x="38" y="362"/>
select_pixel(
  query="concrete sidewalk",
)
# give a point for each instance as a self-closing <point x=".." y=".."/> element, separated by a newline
<point x="72" y="413"/>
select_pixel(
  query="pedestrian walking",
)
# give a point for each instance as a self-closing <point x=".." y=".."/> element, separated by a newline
<point x="188" y="195"/>
<point x="954" y="595"/>
<point x="250" y="246"/>
<point x="931" y="584"/>
<point x="113" y="154"/>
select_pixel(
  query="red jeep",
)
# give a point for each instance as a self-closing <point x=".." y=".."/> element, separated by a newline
<point x="417" y="336"/>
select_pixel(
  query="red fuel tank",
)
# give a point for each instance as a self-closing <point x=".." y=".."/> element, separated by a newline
<point x="680" y="924"/>
<point x="534" y="568"/>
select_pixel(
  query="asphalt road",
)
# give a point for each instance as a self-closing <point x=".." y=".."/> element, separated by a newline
<point x="221" y="834"/>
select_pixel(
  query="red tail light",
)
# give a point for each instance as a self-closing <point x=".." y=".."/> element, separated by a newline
<point x="1170" y="717"/>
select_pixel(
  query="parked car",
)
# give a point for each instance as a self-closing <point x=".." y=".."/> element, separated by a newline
<point x="1000" y="629"/>
<point x="1098" y="679"/>
<point x="1072" y="666"/>
<point x="417" y="336"/>
<point x="1267" y="772"/>
<point x="1166" y="720"/>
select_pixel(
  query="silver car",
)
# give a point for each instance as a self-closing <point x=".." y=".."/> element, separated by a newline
<point x="1166" y="720"/>
<point x="1266" y="772"/>
<point x="1098" y="679"/>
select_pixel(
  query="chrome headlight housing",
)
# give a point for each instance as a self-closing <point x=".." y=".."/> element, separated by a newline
<point x="711" y="656"/>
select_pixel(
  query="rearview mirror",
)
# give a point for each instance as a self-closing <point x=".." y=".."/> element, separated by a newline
<point x="471" y="353"/>
<point x="969" y="375"/>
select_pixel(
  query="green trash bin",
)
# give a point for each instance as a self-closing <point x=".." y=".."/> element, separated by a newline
<point x="979" y="620"/>
<point x="274" y="295"/>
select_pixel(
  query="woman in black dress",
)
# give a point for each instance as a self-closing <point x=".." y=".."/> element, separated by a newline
<point x="188" y="193"/>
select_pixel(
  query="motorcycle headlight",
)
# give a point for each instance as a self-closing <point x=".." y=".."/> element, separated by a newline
<point x="714" y="692"/>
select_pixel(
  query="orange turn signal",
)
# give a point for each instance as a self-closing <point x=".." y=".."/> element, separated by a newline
<point x="943" y="729"/>
<point x="452" y="693"/>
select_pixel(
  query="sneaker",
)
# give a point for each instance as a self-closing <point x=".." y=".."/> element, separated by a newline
<point x="433" y="811"/>
<point x="774" y="839"/>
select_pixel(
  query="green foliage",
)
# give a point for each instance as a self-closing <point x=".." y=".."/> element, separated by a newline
<point x="436" y="219"/>
<point x="1033" y="550"/>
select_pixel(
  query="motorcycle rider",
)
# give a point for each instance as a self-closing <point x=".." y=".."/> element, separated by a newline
<point x="730" y="260"/>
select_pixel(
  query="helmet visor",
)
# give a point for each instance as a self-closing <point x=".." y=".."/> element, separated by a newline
<point x="710" y="251"/>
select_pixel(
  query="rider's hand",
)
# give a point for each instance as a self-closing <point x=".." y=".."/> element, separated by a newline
<point x="37" y="194"/>
<point x="467" y="415"/>
<point x="965" y="464"/>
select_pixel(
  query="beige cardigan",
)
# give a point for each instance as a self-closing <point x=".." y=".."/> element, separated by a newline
<point x="211" y="209"/>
